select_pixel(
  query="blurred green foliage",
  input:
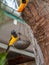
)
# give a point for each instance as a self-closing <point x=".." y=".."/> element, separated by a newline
<point x="3" y="17"/>
<point x="3" y="60"/>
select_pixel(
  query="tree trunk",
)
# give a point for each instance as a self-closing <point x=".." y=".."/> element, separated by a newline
<point x="36" y="14"/>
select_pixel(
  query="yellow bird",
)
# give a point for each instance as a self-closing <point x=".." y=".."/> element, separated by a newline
<point x="14" y="38"/>
<point x="23" y="4"/>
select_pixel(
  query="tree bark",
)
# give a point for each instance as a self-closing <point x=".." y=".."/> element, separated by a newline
<point x="36" y="14"/>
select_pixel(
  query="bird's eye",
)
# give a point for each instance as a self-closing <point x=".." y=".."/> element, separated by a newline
<point x="23" y="1"/>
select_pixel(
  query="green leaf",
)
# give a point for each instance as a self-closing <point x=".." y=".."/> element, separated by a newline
<point x="3" y="58"/>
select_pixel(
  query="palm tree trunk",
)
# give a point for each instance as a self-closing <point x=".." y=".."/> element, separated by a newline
<point x="36" y="14"/>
